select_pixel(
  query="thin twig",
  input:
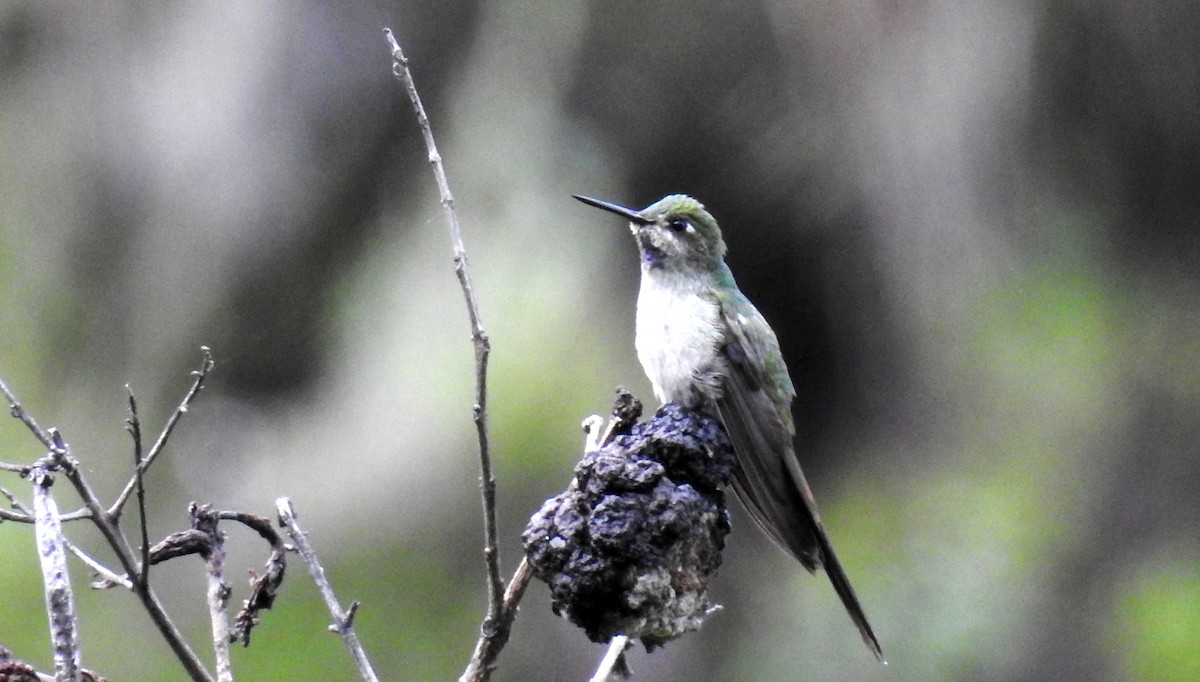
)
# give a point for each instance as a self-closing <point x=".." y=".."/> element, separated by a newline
<point x="134" y="425"/>
<point x="343" y="620"/>
<point x="23" y="514"/>
<point x="6" y="515"/>
<point x="198" y="377"/>
<point x="478" y="336"/>
<point x="491" y="626"/>
<point x="15" y="409"/>
<point x="613" y="663"/>
<point x="118" y="506"/>
<point x="263" y="588"/>
<point x="108" y="577"/>
<point x="60" y="600"/>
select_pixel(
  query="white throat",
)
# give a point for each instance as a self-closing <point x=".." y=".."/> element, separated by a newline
<point x="679" y="331"/>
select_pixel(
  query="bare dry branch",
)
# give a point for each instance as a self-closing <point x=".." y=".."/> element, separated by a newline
<point x="494" y="626"/>
<point x="204" y="522"/>
<point x="109" y="528"/>
<point x="263" y="588"/>
<point x="198" y="377"/>
<point x="134" y="425"/>
<point x="61" y="459"/>
<point x="613" y="664"/>
<point x="22" y="514"/>
<point x="60" y="600"/>
<point x="15" y="409"/>
<point x="343" y="620"/>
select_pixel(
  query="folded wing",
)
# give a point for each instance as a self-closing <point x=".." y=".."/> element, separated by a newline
<point x="755" y="407"/>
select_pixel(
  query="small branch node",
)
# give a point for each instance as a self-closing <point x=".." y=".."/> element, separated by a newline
<point x="348" y="621"/>
<point x="288" y="520"/>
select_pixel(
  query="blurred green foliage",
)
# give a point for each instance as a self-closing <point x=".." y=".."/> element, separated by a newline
<point x="1155" y="619"/>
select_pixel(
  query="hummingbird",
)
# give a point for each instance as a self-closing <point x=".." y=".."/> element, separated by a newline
<point x="704" y="345"/>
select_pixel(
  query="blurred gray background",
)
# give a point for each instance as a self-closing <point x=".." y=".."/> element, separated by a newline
<point x="974" y="227"/>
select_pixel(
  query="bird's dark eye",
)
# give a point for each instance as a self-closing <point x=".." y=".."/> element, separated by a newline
<point x="678" y="225"/>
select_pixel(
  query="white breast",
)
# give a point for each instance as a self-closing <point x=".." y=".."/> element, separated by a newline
<point x="678" y="333"/>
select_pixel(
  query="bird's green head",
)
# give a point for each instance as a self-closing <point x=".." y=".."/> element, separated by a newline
<point x="674" y="232"/>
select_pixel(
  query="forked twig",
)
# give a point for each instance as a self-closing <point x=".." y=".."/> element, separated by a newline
<point x="198" y="377"/>
<point x="107" y="522"/>
<point x="343" y="619"/>
<point x="16" y="410"/>
<point x="109" y="527"/>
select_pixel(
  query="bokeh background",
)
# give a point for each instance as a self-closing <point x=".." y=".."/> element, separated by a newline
<point x="973" y="225"/>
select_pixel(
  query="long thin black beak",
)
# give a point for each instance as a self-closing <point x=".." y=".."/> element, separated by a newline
<point x="627" y="213"/>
